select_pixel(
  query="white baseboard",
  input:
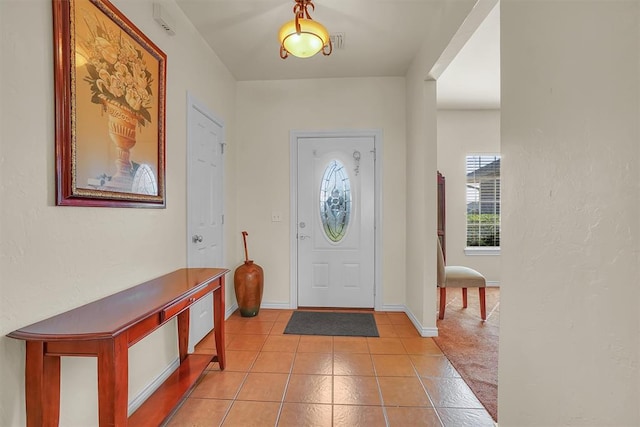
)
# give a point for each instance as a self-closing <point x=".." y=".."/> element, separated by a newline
<point x="152" y="386"/>
<point x="230" y="310"/>
<point x="276" y="305"/>
<point x="394" y="307"/>
<point x="148" y="390"/>
<point x="424" y="332"/>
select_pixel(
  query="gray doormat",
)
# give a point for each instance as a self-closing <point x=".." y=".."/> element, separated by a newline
<point x="331" y="323"/>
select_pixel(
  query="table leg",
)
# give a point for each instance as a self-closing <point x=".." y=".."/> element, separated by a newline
<point x="183" y="334"/>
<point x="113" y="375"/>
<point x="42" y="386"/>
<point x="218" y="322"/>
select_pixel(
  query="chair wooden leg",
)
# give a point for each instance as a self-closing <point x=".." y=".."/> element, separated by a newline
<point x="464" y="297"/>
<point x="443" y="302"/>
<point x="483" y="303"/>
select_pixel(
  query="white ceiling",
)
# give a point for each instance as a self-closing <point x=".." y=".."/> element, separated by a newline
<point x="381" y="38"/>
<point x="472" y="79"/>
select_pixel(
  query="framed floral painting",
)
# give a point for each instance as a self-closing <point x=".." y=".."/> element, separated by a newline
<point x="110" y="108"/>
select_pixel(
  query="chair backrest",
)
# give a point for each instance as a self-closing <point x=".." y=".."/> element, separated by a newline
<point x="440" y="265"/>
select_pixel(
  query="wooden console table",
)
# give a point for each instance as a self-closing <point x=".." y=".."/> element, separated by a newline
<point x="106" y="329"/>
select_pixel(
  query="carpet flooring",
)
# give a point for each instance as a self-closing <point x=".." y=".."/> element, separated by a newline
<point x="472" y="345"/>
<point x="332" y="323"/>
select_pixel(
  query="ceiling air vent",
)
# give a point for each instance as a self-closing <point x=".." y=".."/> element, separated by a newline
<point x="337" y="40"/>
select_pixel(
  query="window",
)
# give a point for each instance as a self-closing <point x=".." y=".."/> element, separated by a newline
<point x="483" y="201"/>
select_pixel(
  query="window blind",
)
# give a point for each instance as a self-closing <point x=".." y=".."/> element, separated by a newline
<point x="483" y="200"/>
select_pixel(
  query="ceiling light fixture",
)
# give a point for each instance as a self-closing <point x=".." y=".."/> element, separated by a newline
<point x="303" y="37"/>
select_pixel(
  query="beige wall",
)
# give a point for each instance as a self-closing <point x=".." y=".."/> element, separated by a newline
<point x="57" y="258"/>
<point x="461" y="133"/>
<point x="421" y="201"/>
<point x="421" y="172"/>
<point x="569" y="331"/>
<point x="267" y="111"/>
<point x="570" y="111"/>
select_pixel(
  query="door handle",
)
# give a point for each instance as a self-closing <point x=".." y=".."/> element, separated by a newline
<point x="303" y="236"/>
<point x="197" y="238"/>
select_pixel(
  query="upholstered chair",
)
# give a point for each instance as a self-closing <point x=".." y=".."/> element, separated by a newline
<point x="455" y="276"/>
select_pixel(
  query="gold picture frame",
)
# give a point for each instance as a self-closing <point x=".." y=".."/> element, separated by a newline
<point x="110" y="86"/>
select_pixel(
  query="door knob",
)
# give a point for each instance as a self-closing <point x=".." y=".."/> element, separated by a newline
<point x="197" y="238"/>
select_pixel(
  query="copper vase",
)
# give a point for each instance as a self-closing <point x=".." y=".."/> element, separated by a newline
<point x="248" y="281"/>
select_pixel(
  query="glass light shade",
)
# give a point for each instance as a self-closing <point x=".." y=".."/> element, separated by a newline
<point x="312" y="37"/>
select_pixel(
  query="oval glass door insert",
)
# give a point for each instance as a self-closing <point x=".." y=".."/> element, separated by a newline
<point x="335" y="201"/>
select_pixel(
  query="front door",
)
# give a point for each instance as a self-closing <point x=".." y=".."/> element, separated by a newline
<point x="204" y="207"/>
<point x="336" y="220"/>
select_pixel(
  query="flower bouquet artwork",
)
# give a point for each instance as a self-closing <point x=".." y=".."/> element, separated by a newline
<point x="110" y="108"/>
<point x="121" y="84"/>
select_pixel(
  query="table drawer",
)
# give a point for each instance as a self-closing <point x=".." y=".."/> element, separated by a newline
<point x="183" y="304"/>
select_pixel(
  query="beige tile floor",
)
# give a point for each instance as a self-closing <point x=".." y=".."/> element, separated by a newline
<point x="273" y="379"/>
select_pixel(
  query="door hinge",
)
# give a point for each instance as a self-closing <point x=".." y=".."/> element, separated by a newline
<point x="374" y="154"/>
<point x="222" y="145"/>
<point x="223" y="219"/>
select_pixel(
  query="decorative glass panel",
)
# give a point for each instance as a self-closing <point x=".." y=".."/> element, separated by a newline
<point x="335" y="201"/>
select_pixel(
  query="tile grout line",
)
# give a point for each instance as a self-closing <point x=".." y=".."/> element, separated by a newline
<point x="493" y="310"/>
<point x="244" y="380"/>
<point x="286" y="386"/>
<point x="396" y="328"/>
<point x="333" y="379"/>
<point x="424" y="387"/>
<point x="375" y="374"/>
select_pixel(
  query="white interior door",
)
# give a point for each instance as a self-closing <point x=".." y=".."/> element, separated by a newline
<point x="204" y="207"/>
<point x="336" y="220"/>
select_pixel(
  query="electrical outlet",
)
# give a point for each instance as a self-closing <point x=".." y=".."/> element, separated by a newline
<point x="276" y="216"/>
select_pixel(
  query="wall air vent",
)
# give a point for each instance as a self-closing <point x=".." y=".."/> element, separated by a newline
<point x="162" y="17"/>
<point x="337" y="40"/>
